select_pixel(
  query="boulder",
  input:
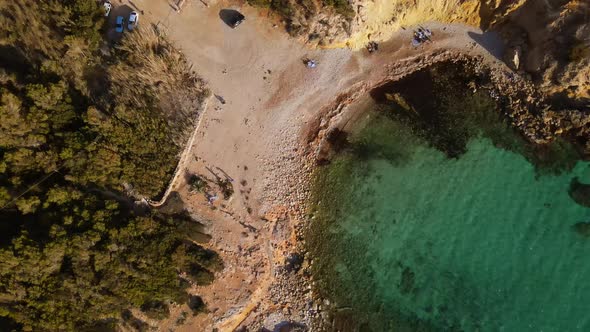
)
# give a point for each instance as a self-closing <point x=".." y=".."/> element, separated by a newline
<point x="580" y="192"/>
<point x="582" y="228"/>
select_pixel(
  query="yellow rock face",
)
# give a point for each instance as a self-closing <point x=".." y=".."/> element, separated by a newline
<point x="545" y="38"/>
<point x="379" y="19"/>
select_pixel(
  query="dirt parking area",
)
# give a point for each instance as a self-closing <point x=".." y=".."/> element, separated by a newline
<point x="262" y="85"/>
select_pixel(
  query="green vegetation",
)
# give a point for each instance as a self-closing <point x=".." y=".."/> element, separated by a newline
<point x="156" y="309"/>
<point x="82" y="127"/>
<point x="287" y="9"/>
<point x="196" y="304"/>
<point x="283" y="8"/>
<point x="197" y="184"/>
<point x="227" y="188"/>
<point x="342" y="7"/>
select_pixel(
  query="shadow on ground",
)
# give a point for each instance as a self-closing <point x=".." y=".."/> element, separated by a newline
<point x="124" y="11"/>
<point x="489" y="40"/>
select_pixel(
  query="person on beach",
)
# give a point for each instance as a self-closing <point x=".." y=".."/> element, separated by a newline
<point x="372" y="46"/>
<point x="426" y="33"/>
<point x="416" y="40"/>
<point x="421" y="35"/>
<point x="210" y="198"/>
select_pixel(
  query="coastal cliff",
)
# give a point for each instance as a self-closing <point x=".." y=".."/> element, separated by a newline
<point x="545" y="42"/>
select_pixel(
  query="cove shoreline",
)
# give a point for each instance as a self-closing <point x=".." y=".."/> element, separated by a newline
<point x="268" y="136"/>
<point x="524" y="108"/>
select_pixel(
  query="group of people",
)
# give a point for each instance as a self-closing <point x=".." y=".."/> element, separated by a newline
<point x="421" y="35"/>
<point x="372" y="46"/>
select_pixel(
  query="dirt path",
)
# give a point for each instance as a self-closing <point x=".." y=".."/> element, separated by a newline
<point x="255" y="137"/>
<point x="233" y="322"/>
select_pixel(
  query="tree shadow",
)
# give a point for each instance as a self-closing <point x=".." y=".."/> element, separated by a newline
<point x="176" y="207"/>
<point x="123" y="11"/>
<point x="490" y="41"/>
<point x="13" y="58"/>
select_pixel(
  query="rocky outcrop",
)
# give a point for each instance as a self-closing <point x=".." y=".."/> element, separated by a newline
<point x="547" y="41"/>
<point x="356" y="22"/>
<point x="321" y="29"/>
<point x="580" y="192"/>
<point x="582" y="228"/>
<point x="551" y="38"/>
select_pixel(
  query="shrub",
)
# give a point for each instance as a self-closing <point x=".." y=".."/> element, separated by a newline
<point x="196" y="304"/>
<point x="155" y="309"/>
<point x="197" y="184"/>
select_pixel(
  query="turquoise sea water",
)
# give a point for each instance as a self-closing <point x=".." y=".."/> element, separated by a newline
<point x="404" y="238"/>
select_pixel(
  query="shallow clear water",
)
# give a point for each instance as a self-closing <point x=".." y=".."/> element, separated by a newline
<point x="478" y="243"/>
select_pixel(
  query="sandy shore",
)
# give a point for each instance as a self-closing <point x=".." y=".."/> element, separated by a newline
<point x="265" y="137"/>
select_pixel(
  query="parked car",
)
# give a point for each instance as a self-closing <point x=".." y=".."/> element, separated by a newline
<point x="237" y="20"/>
<point x="120" y="23"/>
<point x="107" y="8"/>
<point x="133" y="21"/>
<point x="231" y="17"/>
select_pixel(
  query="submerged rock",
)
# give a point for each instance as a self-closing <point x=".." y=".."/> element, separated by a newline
<point x="407" y="281"/>
<point x="335" y="141"/>
<point x="582" y="228"/>
<point x="580" y="192"/>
